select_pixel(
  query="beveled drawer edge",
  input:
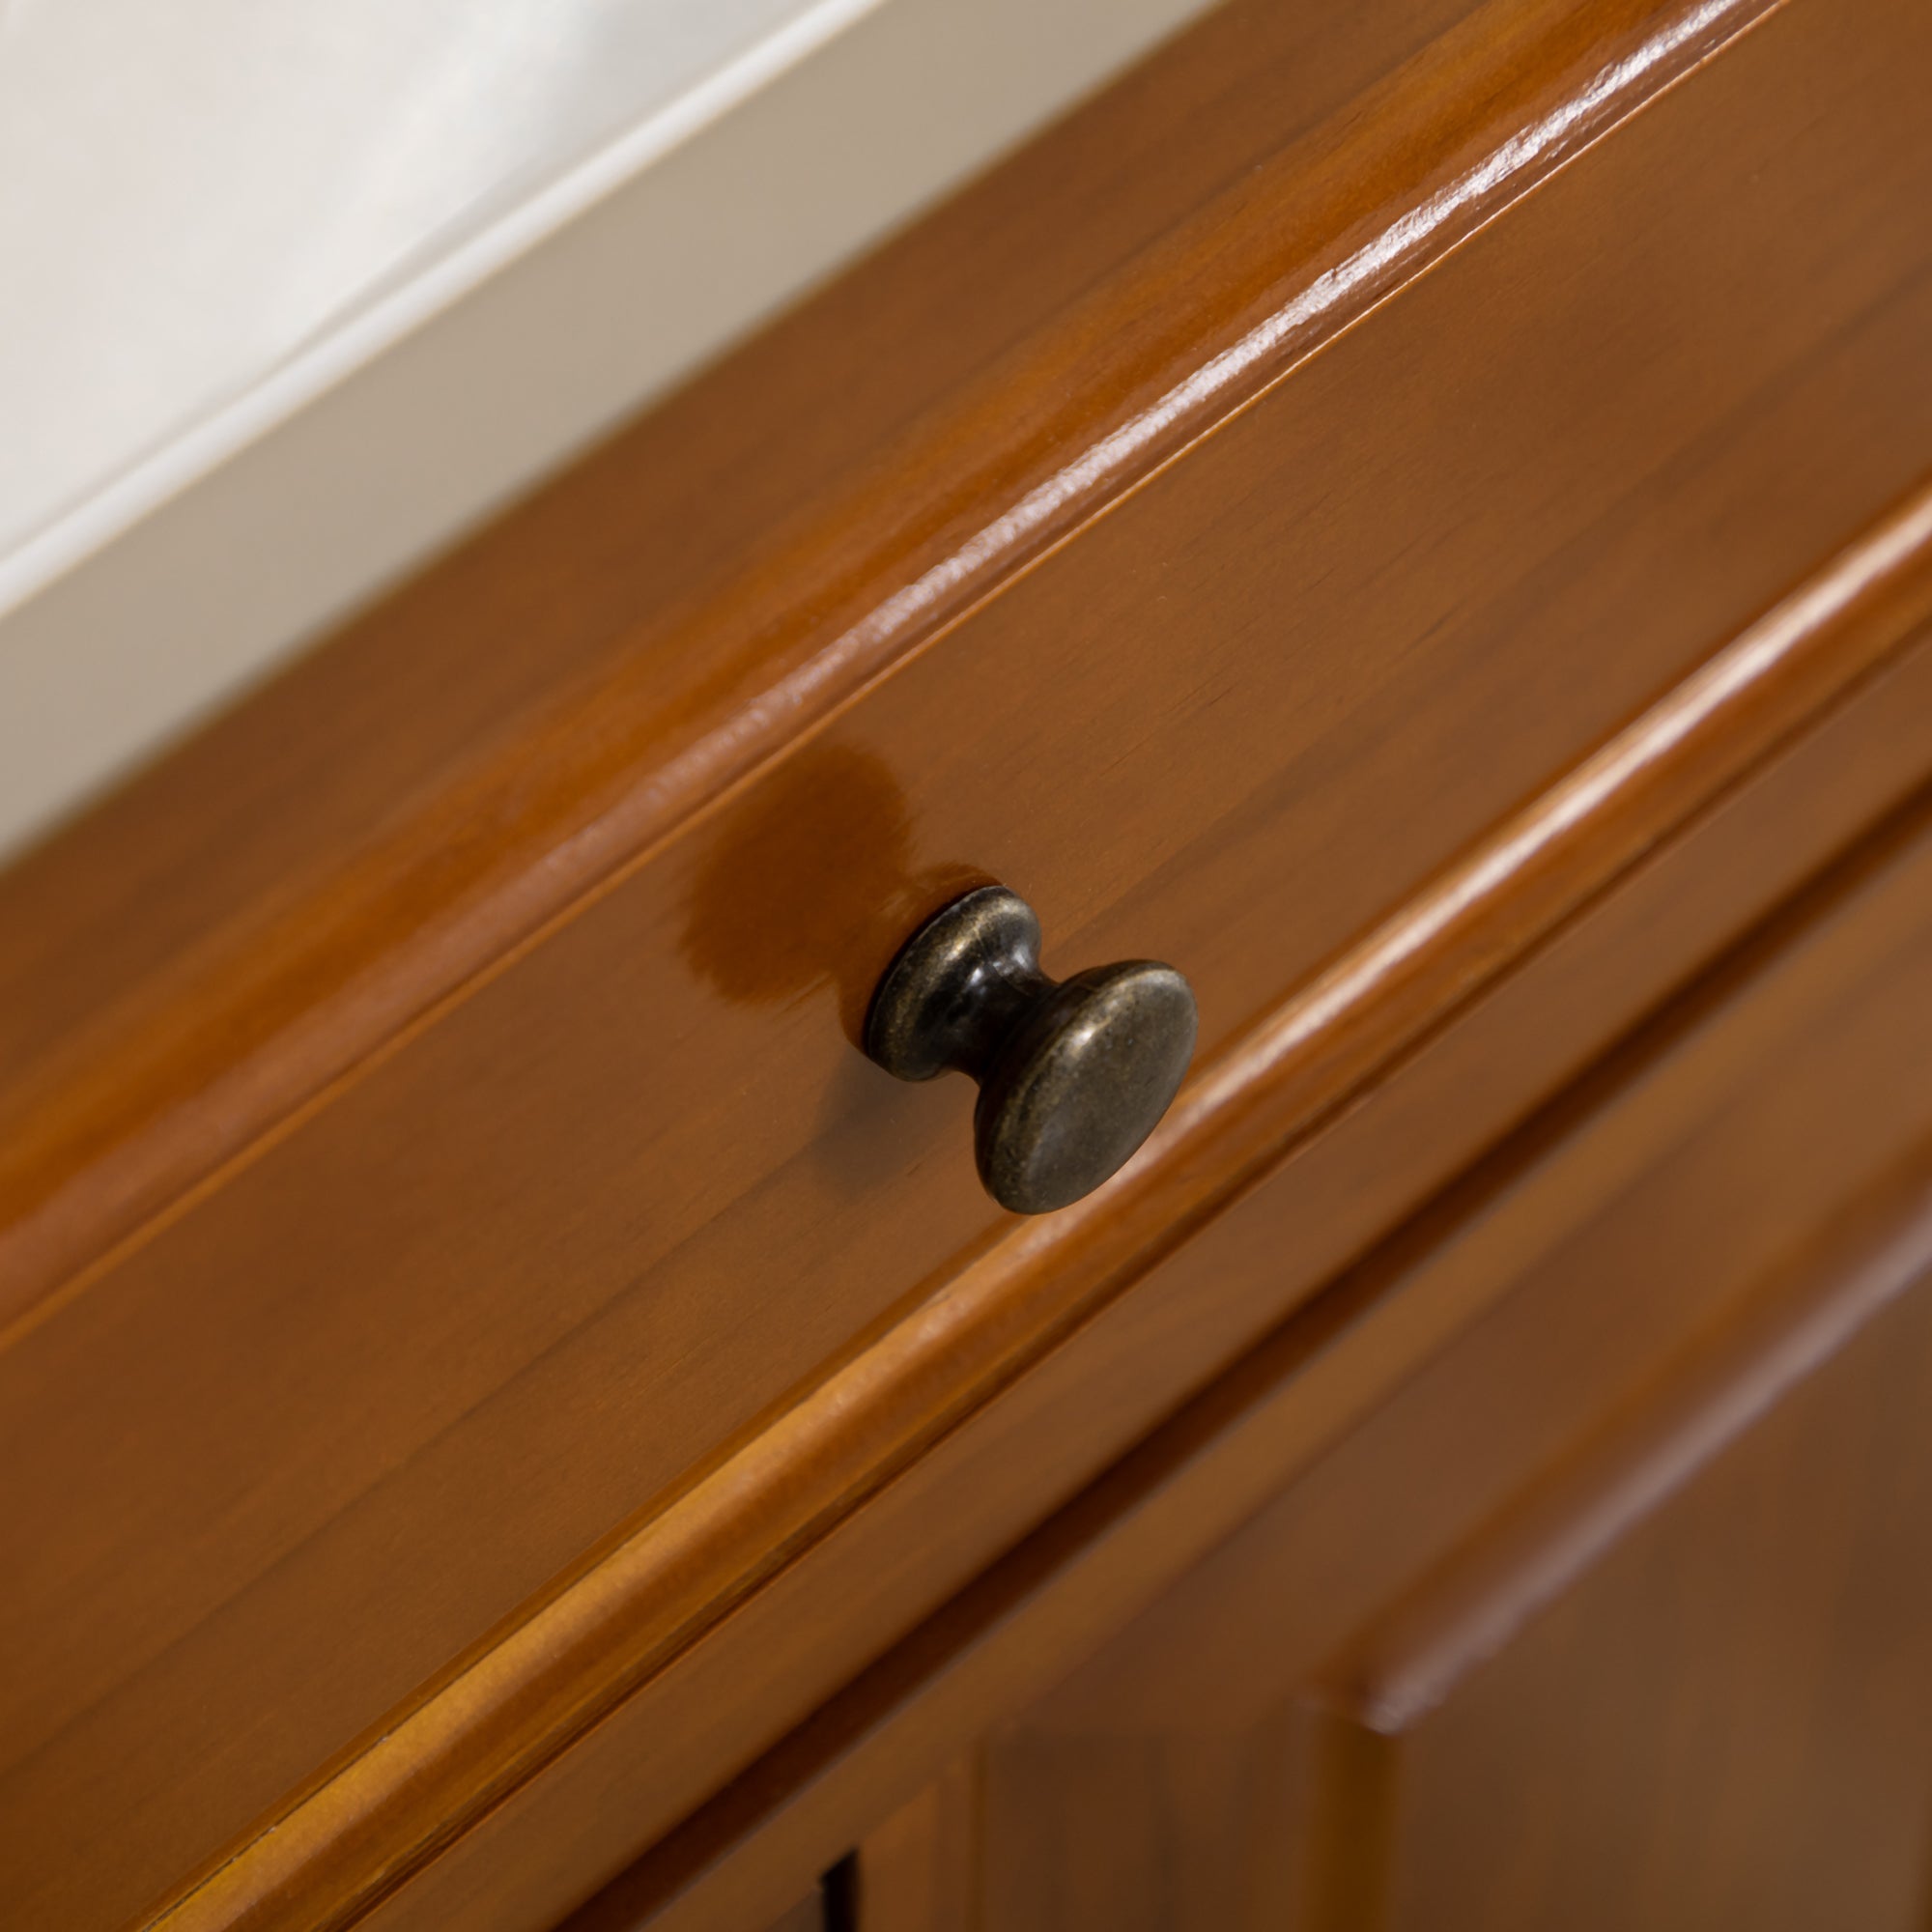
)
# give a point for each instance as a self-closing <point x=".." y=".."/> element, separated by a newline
<point x="127" y="1131"/>
<point x="499" y="1716"/>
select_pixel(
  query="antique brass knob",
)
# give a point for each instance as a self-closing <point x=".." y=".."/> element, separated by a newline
<point x="1072" y="1074"/>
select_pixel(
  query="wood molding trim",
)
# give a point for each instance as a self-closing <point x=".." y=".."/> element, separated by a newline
<point x="1463" y="1613"/>
<point x="190" y="1135"/>
<point x="502" y="1713"/>
<point x="1082" y="1575"/>
<point x="120" y="1119"/>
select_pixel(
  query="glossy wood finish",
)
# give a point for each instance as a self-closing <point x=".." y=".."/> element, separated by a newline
<point x="1726" y="1719"/>
<point x="1439" y="711"/>
<point x="956" y="489"/>
<point x="1624" y="1288"/>
<point x="908" y="1532"/>
<point x="1680" y="1681"/>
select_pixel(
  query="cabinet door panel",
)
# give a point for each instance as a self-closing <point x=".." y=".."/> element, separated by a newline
<point x="1725" y="1720"/>
<point x="1681" y="1681"/>
<point x="1617" y="1610"/>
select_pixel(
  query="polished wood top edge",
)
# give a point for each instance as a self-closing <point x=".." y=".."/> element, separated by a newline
<point x="501" y="1714"/>
<point x="120" y="1134"/>
<point x="1422" y="1646"/>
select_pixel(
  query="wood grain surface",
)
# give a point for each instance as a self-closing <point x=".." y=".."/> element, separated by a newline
<point x="1680" y="1680"/>
<point x="920" y="1870"/>
<point x="472" y="1303"/>
<point x="869" y="1419"/>
<point x="1667" y="1254"/>
<point x="698" y="677"/>
<point x="1687" y="1684"/>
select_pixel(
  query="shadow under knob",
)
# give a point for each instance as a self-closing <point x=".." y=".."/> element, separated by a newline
<point x="1073" y="1075"/>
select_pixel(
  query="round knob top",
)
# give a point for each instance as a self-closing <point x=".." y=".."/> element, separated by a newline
<point x="1072" y="1076"/>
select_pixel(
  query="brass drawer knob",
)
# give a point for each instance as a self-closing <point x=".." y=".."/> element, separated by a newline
<point x="1073" y="1075"/>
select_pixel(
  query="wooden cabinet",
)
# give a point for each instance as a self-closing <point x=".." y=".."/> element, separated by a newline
<point x="1612" y="1614"/>
<point x="1608" y="1611"/>
<point x="1423" y="520"/>
<point x="1682" y="1681"/>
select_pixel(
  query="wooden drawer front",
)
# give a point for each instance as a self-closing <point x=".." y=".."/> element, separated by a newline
<point x="432" y="1345"/>
<point x="1585" y="1517"/>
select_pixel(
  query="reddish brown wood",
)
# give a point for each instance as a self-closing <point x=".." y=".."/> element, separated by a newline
<point x="920" y="1870"/>
<point x="1681" y="1681"/>
<point x="311" y="766"/>
<point x="306" y="977"/>
<point x="1603" y="1248"/>
<point x="1724" y="1718"/>
<point x="533" y="1333"/>
<point x="780" y="1451"/>
<point x="807" y="1915"/>
<point x="1142" y="1832"/>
